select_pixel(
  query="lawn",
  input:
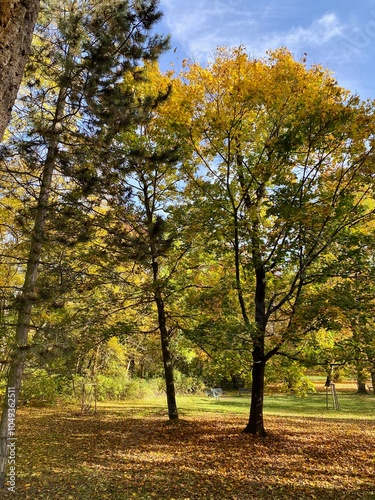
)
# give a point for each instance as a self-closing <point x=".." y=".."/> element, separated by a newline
<point x="129" y="450"/>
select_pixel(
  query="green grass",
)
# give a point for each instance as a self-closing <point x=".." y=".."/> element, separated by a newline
<point x="350" y="406"/>
<point x="315" y="405"/>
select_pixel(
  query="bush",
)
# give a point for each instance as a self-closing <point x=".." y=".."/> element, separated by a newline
<point x="285" y="375"/>
<point x="110" y="388"/>
<point x="39" y="387"/>
<point x="121" y="388"/>
<point x="142" y="388"/>
<point x="185" y="384"/>
<point x="43" y="388"/>
<point x="296" y="382"/>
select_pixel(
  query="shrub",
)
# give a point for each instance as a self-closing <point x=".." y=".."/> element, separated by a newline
<point x="296" y="382"/>
<point x="185" y="384"/>
<point x="142" y="388"/>
<point x="39" y="387"/>
<point x="110" y="388"/>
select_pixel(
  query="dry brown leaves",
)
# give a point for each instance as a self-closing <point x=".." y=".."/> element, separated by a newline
<point x="62" y="455"/>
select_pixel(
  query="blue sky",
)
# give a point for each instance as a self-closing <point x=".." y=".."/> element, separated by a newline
<point x="339" y="34"/>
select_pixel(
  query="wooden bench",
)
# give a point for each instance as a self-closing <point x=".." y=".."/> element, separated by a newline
<point x="244" y="390"/>
<point x="216" y="392"/>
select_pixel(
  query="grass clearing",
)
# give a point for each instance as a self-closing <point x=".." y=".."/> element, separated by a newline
<point x="314" y="405"/>
<point x="129" y="450"/>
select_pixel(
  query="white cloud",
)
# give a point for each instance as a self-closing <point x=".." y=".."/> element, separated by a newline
<point x="321" y="31"/>
<point x="200" y="26"/>
<point x="183" y="22"/>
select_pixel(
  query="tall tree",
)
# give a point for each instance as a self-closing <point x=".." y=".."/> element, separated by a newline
<point x="284" y="156"/>
<point x="84" y="50"/>
<point x="17" y="20"/>
<point x="143" y="230"/>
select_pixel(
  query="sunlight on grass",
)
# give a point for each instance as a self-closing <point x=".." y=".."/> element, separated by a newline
<point x="351" y="406"/>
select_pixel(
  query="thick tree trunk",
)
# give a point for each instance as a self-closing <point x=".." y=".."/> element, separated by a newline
<point x="256" y="425"/>
<point x="373" y="381"/>
<point x="17" y="20"/>
<point x="167" y="361"/>
<point x="361" y="388"/>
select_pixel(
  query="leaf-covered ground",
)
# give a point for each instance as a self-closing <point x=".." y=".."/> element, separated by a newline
<point x="121" y="454"/>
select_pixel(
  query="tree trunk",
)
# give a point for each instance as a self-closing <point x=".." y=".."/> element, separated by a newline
<point x="373" y="381"/>
<point x="361" y="388"/>
<point x="28" y="296"/>
<point x="17" y="20"/>
<point x="167" y="360"/>
<point x="25" y="304"/>
<point x="361" y="383"/>
<point x="131" y="367"/>
<point x="256" y="425"/>
<point x="158" y="298"/>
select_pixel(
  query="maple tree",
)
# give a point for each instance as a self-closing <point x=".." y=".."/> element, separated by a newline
<point x="283" y="155"/>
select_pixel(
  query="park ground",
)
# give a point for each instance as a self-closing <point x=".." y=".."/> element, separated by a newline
<point x="129" y="450"/>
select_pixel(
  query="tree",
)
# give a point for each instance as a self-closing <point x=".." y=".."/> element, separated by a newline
<point x="83" y="55"/>
<point x="340" y="314"/>
<point x="143" y="231"/>
<point x="284" y="156"/>
<point x="17" y="20"/>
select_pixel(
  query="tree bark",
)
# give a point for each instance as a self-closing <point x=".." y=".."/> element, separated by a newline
<point x="25" y="304"/>
<point x="361" y="388"/>
<point x="17" y="20"/>
<point x="256" y="424"/>
<point x="158" y="298"/>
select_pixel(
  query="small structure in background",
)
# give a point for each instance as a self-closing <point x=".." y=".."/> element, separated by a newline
<point x="331" y="388"/>
<point x="216" y="392"/>
<point x="89" y="396"/>
<point x="244" y="390"/>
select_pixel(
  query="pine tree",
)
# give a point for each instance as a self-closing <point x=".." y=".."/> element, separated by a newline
<point x="82" y="53"/>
